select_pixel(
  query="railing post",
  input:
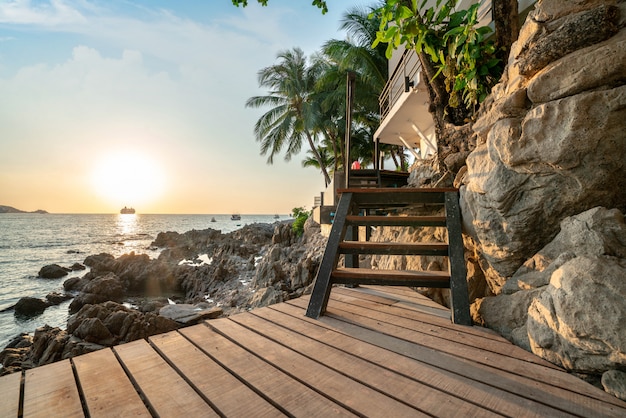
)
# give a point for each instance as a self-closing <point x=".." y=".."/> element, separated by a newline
<point x="350" y="82"/>
<point x="458" y="274"/>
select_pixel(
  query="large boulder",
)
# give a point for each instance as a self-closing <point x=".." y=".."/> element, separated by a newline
<point x="53" y="271"/>
<point x="100" y="289"/>
<point x="187" y="314"/>
<point x="551" y="136"/>
<point x="578" y="321"/>
<point x="111" y="323"/>
<point x="29" y="306"/>
<point x="567" y="303"/>
<point x="598" y="231"/>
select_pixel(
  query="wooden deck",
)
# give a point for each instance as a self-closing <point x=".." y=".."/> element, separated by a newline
<point x="378" y="352"/>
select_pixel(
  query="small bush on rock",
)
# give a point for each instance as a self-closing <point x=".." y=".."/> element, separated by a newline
<point x="300" y="215"/>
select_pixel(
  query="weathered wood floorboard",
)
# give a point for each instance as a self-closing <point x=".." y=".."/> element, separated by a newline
<point x="298" y="400"/>
<point x="341" y="388"/>
<point x="472" y="337"/>
<point x="106" y="388"/>
<point x="10" y="390"/>
<point x="532" y="381"/>
<point x="229" y="396"/>
<point x="489" y="397"/>
<point x="168" y="394"/>
<point x="378" y="351"/>
<point x="429" y="399"/>
<point x="404" y="329"/>
<point x="54" y="393"/>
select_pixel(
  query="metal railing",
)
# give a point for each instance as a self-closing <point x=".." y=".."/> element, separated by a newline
<point x="409" y="65"/>
<point x="406" y="70"/>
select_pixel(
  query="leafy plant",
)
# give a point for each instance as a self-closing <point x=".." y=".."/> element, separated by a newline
<point x="458" y="49"/>
<point x="300" y="216"/>
<point x="321" y="4"/>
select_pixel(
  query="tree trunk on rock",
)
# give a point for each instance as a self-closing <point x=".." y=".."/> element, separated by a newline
<point x="506" y="21"/>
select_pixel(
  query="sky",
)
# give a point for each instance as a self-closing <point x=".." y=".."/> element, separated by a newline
<point x="141" y="103"/>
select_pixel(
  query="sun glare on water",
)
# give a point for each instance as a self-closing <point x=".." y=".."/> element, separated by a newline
<point x="128" y="179"/>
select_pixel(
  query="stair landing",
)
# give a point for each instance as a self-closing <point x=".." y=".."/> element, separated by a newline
<point x="378" y="351"/>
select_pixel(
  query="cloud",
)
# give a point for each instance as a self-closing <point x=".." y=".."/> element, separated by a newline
<point x="140" y="78"/>
<point x="54" y="13"/>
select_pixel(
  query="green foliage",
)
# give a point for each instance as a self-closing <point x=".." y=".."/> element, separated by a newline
<point x="300" y="216"/>
<point x="321" y="4"/>
<point x="458" y="49"/>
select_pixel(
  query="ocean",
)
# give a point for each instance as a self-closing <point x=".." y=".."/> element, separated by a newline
<point x="29" y="241"/>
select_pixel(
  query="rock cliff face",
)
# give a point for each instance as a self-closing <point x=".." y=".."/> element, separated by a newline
<point x="544" y="192"/>
<point x="551" y="156"/>
<point x="551" y="137"/>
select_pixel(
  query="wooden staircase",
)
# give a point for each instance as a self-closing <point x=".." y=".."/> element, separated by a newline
<point x="353" y="211"/>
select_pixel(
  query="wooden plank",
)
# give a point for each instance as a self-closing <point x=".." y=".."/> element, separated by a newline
<point x="459" y="295"/>
<point x="400" y="191"/>
<point x="589" y="401"/>
<point x="51" y="390"/>
<point x="362" y="293"/>
<point x="412" y="221"/>
<point x="106" y="389"/>
<point x="393" y="248"/>
<point x="322" y="287"/>
<point x="163" y="388"/>
<point x="228" y="394"/>
<point x="448" y="331"/>
<point x="393" y="197"/>
<point x="513" y="366"/>
<point x="423" y="397"/>
<point x="435" y="314"/>
<point x="489" y="397"/>
<point x="403" y="295"/>
<point x="290" y="395"/>
<point x="391" y="277"/>
<point x="334" y="385"/>
<point x="10" y="390"/>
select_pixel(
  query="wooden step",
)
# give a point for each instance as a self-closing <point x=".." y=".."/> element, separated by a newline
<point x="438" y="279"/>
<point x="376" y="220"/>
<point x="394" y="197"/>
<point x="393" y="248"/>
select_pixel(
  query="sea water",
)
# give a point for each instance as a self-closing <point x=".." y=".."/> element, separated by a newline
<point x="30" y="241"/>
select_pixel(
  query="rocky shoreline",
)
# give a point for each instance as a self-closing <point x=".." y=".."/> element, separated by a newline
<point x="200" y="274"/>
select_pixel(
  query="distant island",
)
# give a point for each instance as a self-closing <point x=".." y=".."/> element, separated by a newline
<point x="10" y="209"/>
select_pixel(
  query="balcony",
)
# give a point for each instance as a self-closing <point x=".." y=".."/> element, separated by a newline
<point x="405" y="120"/>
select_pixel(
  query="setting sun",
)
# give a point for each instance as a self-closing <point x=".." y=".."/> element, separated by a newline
<point x="128" y="179"/>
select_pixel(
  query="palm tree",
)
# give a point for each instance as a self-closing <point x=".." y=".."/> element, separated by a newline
<point x="356" y="55"/>
<point x="295" y="110"/>
<point x="326" y="156"/>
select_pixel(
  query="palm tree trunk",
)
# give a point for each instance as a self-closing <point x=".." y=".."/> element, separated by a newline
<point x="318" y="158"/>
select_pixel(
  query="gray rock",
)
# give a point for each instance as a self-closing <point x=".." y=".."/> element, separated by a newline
<point x="265" y="297"/>
<point x="55" y="298"/>
<point x="53" y="271"/>
<point x="94" y="331"/>
<point x="514" y="195"/>
<point x="614" y="382"/>
<point x="101" y="289"/>
<point x="578" y="321"/>
<point x="504" y="313"/>
<point x="598" y="231"/>
<point x="187" y="314"/>
<point x="586" y="69"/>
<point x="29" y="306"/>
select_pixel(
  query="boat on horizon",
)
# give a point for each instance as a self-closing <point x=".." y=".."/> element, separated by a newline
<point x="127" y="211"/>
<point x="235" y="217"/>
